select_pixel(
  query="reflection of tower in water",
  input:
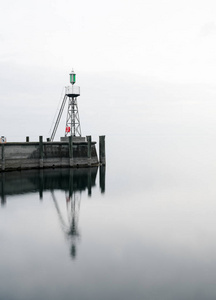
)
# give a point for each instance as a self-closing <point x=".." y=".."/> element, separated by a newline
<point x="73" y="208"/>
<point x="70" y="226"/>
<point x="71" y="181"/>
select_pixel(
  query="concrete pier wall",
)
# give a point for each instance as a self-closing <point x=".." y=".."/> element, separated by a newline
<point x="31" y="155"/>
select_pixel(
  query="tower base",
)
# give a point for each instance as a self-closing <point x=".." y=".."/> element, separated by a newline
<point x="74" y="138"/>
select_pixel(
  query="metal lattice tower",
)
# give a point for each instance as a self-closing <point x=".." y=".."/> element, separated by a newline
<point x="72" y="121"/>
<point x="73" y="127"/>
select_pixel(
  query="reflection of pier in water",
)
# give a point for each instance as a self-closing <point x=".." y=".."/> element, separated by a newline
<point x="72" y="181"/>
<point x="33" y="181"/>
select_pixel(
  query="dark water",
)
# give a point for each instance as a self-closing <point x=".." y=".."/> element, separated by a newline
<point x="143" y="228"/>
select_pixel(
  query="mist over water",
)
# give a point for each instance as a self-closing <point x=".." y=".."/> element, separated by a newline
<point x="143" y="228"/>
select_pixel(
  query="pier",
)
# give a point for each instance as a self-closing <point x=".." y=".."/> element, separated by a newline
<point x="73" y="150"/>
<point x="45" y="154"/>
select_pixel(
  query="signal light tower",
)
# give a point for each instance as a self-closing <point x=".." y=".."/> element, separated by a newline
<point x="72" y="121"/>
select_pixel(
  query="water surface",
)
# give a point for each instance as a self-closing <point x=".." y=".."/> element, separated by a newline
<point x="143" y="228"/>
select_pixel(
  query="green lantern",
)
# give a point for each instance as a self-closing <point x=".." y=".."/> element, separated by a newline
<point x="72" y="77"/>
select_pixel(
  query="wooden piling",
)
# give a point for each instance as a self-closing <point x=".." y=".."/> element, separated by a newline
<point x="3" y="157"/>
<point x="102" y="154"/>
<point x="70" y="147"/>
<point x="41" y="153"/>
<point x="89" y="149"/>
<point x="88" y="137"/>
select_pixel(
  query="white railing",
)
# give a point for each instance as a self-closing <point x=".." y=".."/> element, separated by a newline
<point x="72" y="90"/>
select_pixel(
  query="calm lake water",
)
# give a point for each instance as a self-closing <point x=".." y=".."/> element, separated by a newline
<point x="143" y="228"/>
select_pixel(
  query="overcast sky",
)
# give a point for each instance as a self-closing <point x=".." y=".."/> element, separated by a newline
<point x="142" y="65"/>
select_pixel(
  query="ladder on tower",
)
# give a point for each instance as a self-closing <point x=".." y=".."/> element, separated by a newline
<point x="58" y="118"/>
